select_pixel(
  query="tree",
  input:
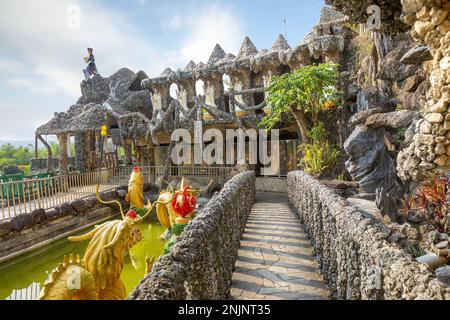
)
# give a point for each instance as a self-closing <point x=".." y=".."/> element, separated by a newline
<point x="302" y="93"/>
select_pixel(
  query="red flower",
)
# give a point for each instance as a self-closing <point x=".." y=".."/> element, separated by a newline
<point x="184" y="202"/>
<point x="132" y="214"/>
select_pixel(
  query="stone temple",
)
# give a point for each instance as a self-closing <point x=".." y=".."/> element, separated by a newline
<point x="141" y="112"/>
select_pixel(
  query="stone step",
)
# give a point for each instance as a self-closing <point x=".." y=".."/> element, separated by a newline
<point x="275" y="258"/>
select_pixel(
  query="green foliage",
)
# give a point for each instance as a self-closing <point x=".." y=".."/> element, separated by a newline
<point x="17" y="155"/>
<point x="352" y="26"/>
<point x="318" y="134"/>
<point x="16" y="159"/>
<point x="307" y="89"/>
<point x="318" y="156"/>
<point x="11" y="169"/>
<point x="416" y="251"/>
<point x="43" y="153"/>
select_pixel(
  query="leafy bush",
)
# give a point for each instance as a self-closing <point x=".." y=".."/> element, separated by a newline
<point x="432" y="203"/>
<point x="11" y="169"/>
<point x="433" y="200"/>
<point x="318" y="156"/>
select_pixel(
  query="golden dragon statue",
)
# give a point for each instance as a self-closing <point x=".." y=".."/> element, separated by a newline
<point x="97" y="275"/>
<point x="175" y="208"/>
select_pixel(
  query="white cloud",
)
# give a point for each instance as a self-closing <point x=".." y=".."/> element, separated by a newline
<point x="10" y="65"/>
<point x="42" y="55"/>
<point x="30" y="85"/>
<point x="211" y="26"/>
<point x="174" y="23"/>
<point x="53" y="53"/>
<point x="23" y="126"/>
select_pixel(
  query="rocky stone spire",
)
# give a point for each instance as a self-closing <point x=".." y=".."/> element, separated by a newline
<point x="190" y="66"/>
<point x="217" y="55"/>
<point x="280" y="44"/>
<point x="201" y="65"/>
<point x="247" y="49"/>
<point x="166" y="72"/>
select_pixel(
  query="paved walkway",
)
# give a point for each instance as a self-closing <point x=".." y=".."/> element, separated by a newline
<point x="275" y="258"/>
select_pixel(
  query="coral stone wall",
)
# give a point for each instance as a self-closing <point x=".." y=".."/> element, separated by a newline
<point x="355" y="257"/>
<point x="429" y="154"/>
<point x="200" y="265"/>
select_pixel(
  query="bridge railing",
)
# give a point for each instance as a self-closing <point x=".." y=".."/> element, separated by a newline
<point x="18" y="197"/>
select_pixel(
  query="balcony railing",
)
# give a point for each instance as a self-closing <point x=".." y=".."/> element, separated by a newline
<point x="17" y="197"/>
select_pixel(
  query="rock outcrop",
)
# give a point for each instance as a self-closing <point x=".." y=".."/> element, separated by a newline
<point x="369" y="162"/>
<point x="429" y="153"/>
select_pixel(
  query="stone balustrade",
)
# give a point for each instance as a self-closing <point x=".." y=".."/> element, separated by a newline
<point x="200" y="265"/>
<point x="354" y="255"/>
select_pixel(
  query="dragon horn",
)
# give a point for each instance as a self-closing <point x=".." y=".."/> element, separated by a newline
<point x="149" y="210"/>
<point x="169" y="185"/>
<point x="182" y="183"/>
<point x="202" y="190"/>
<point x="97" y="195"/>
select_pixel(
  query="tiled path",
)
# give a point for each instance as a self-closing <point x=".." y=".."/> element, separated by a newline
<point x="275" y="258"/>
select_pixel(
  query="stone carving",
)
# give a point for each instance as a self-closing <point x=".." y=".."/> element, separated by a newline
<point x="369" y="162"/>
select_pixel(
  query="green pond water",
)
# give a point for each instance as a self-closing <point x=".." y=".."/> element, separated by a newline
<point x="21" y="278"/>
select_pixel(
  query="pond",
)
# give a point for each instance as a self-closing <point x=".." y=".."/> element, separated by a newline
<point x="22" y="277"/>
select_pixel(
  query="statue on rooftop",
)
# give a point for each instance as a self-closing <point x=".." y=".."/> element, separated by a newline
<point x="91" y="68"/>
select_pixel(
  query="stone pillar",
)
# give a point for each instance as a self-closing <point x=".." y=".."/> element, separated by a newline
<point x="80" y="153"/>
<point x="214" y="90"/>
<point x="187" y="93"/>
<point x="243" y="81"/>
<point x="89" y="147"/>
<point x="161" y="97"/>
<point x="63" y="154"/>
<point x="429" y="153"/>
<point x="127" y="146"/>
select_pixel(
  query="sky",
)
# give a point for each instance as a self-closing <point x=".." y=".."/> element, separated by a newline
<point x="43" y="42"/>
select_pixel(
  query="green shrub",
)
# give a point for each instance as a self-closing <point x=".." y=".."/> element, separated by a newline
<point x="11" y="169"/>
<point x="318" y="156"/>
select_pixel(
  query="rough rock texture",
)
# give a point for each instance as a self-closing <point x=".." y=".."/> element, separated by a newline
<point x="369" y="162"/>
<point x="200" y="265"/>
<point x="357" y="10"/>
<point x="5" y="227"/>
<point x="396" y="119"/>
<point x="417" y="55"/>
<point x="424" y="159"/>
<point x="38" y="216"/>
<point x="355" y="257"/>
<point x="361" y="116"/>
<point x="121" y="91"/>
